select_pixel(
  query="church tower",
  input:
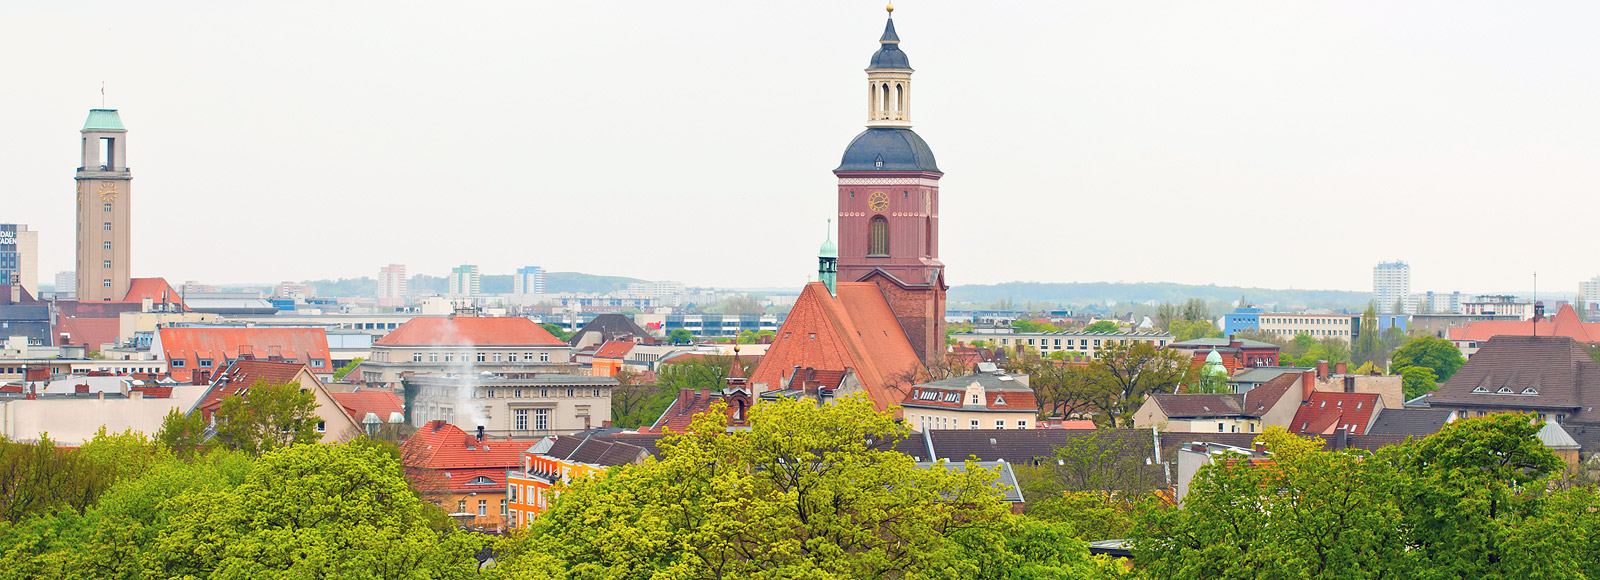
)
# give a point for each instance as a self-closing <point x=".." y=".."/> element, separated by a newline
<point x="103" y="201"/>
<point x="889" y="204"/>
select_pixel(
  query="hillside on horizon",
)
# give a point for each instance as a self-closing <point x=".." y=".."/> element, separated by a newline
<point x="1083" y="293"/>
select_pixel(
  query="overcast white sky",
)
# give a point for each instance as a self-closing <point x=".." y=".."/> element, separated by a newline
<point x="1276" y="144"/>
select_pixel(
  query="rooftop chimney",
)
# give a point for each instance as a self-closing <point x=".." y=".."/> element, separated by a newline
<point x="1322" y="368"/>
<point x="16" y="293"/>
<point x="1308" y="383"/>
<point x="480" y="433"/>
<point x="81" y="389"/>
<point x="1339" y="368"/>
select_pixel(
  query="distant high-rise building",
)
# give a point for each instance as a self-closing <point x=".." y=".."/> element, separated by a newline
<point x="392" y="285"/>
<point x="1391" y="282"/>
<point x="529" y="280"/>
<point x="1589" y="290"/>
<point x="656" y="289"/>
<point x="67" y="285"/>
<point x="464" y="280"/>
<point x="19" y="257"/>
<point x="104" y="193"/>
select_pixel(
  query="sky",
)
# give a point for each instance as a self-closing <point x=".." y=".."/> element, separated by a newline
<point x="1271" y="144"/>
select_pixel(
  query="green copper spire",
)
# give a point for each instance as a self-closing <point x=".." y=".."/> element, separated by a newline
<point x="828" y="263"/>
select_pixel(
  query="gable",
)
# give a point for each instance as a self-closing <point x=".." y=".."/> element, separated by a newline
<point x="854" y="330"/>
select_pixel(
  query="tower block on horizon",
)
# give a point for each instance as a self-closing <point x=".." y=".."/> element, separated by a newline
<point x="104" y="200"/>
<point x="889" y="204"/>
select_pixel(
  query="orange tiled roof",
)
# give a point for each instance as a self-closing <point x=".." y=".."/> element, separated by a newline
<point x="156" y="289"/>
<point x="221" y="345"/>
<point x="1326" y="412"/>
<point x="469" y="331"/>
<point x="1564" y="323"/>
<point x="614" y="349"/>
<point x="88" y="332"/>
<point x="380" y="402"/>
<point x="440" y="445"/>
<point x="242" y="375"/>
<point x="855" y="329"/>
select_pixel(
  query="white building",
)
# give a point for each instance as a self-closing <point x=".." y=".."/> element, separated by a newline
<point x="66" y="285"/>
<point x="1391" y="282"/>
<point x="529" y="280"/>
<point x="1589" y="290"/>
<point x="392" y="285"/>
<point x="1088" y="343"/>
<point x="1318" y="326"/>
<point x="464" y="280"/>
<point x="657" y="289"/>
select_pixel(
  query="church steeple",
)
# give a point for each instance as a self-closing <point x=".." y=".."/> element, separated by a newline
<point x="889" y="81"/>
<point x="828" y="262"/>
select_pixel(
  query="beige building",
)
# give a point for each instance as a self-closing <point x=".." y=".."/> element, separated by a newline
<point x="104" y="201"/>
<point x="518" y="405"/>
<point x="1272" y="403"/>
<point x="335" y="423"/>
<point x="463" y="345"/>
<point x="1318" y="326"/>
<point x="19" y="257"/>
<point x="986" y="400"/>
<point x="72" y="409"/>
<point x="1087" y="343"/>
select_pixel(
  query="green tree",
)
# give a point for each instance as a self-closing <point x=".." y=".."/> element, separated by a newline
<point x="1368" y="348"/>
<point x="1167" y="312"/>
<point x="557" y="331"/>
<point x="1102" y="326"/>
<point x="340" y="373"/>
<point x="1182" y="330"/>
<point x="1416" y="381"/>
<point x="267" y="416"/>
<point x="1125" y="372"/>
<point x="1196" y="309"/>
<point x="1031" y="326"/>
<point x="680" y="336"/>
<point x="1425" y="351"/>
<point x="806" y="492"/>
<point x="1399" y="306"/>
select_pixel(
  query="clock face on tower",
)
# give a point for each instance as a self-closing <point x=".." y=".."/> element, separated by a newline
<point x="878" y="202"/>
<point x="108" y="191"/>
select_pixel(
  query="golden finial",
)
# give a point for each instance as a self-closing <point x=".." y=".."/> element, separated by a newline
<point x="890" y="8"/>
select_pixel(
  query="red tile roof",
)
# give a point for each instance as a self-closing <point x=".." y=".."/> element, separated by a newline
<point x="1066" y="424"/>
<point x="855" y="329"/>
<point x="221" y="345"/>
<point x="1564" y="323"/>
<point x="614" y="349"/>
<point x="154" y="392"/>
<point x="820" y="378"/>
<point x="380" y="402"/>
<point x="156" y="289"/>
<point x="1326" y="412"/>
<point x="243" y="375"/>
<point x="88" y="332"/>
<point x="442" y="446"/>
<point x="469" y="331"/>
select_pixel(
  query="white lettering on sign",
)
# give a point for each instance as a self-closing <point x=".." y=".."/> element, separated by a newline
<point x="8" y="238"/>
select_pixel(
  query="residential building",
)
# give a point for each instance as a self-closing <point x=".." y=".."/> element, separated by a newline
<point x="464" y="281"/>
<point x="1499" y="304"/>
<point x="529" y="280"/>
<point x="1326" y="412"/>
<point x="736" y="397"/>
<point x="1552" y="377"/>
<point x="392" y="285"/>
<point x="1405" y="422"/>
<point x="1193" y="456"/>
<point x="374" y="409"/>
<point x="334" y="423"/>
<point x="985" y="400"/>
<point x="1430" y="302"/>
<point x="1085" y="343"/>
<point x="197" y="353"/>
<point x="1391" y="282"/>
<point x="104" y="204"/>
<point x="605" y="328"/>
<point x="1565" y="323"/>
<point x="1236" y="353"/>
<point x="461" y="472"/>
<point x="1273" y="403"/>
<point x="524" y="404"/>
<point x="1589" y="290"/>
<point x="462" y="345"/>
<point x="1242" y="318"/>
<point x="293" y="291"/>
<point x="23" y="315"/>
<point x="656" y="290"/>
<point x="1318" y="326"/>
<point x="609" y="358"/>
<point x="558" y="460"/>
<point x="1439" y="325"/>
<point x="67" y="285"/>
<point x="19" y="257"/>
<point x="71" y="408"/>
<point x="714" y="325"/>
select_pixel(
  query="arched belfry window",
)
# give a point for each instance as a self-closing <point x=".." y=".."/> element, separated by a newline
<point x="879" y="240"/>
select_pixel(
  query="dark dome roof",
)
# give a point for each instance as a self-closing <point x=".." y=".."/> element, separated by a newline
<point x="898" y="149"/>
<point x="889" y="55"/>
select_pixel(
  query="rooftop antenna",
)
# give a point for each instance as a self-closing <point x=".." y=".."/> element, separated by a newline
<point x="102" y="94"/>
<point x="1536" y="303"/>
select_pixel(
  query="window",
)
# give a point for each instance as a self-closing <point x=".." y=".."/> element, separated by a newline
<point x="502" y="507"/>
<point x="433" y="357"/>
<point x="497" y="357"/>
<point x="570" y="393"/>
<point x="107" y="207"/>
<point x="1022" y="424"/>
<point x="461" y="506"/>
<point x="999" y="423"/>
<point x="107" y="245"/>
<point x="513" y="492"/>
<point x="322" y="426"/>
<point x="178" y="363"/>
<point x="316" y="363"/>
<point x="879" y="240"/>
<point x="449" y="357"/>
<point x="541" y="419"/>
<point x="481" y="357"/>
<point x="597" y="392"/>
<point x="205" y="363"/>
<point x="416" y="357"/>
<point x="975" y="400"/>
<point x="1219" y="427"/>
<point x="107" y="226"/>
<point x="520" y="421"/>
<point x="106" y="283"/>
<point x="106" y="264"/>
<point x="483" y="507"/>
<point x="974" y="423"/>
<point x="544" y="357"/>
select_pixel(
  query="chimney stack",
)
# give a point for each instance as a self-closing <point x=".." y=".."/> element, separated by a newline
<point x="480" y="433"/>
<point x="1308" y="385"/>
<point x="16" y="293"/>
<point x="1322" y="368"/>
<point x="1339" y="369"/>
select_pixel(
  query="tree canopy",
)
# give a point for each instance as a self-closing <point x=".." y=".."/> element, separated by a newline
<point x="1426" y="351"/>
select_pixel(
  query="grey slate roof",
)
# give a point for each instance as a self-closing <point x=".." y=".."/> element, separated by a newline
<point x="1221" y="343"/>
<point x="899" y="149"/>
<point x="1417" y="423"/>
<point x="1264" y="374"/>
<point x="889" y="55"/>
<point x="610" y="326"/>
<point x="1252" y="404"/>
<point x="1556" y="368"/>
<point x="1006" y="483"/>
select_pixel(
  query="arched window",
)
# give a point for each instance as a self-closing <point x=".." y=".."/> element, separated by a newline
<point x="879" y="240"/>
<point x="885" y="109"/>
<point x="900" y="99"/>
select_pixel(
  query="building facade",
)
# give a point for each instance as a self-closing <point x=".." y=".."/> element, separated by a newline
<point x="464" y="280"/>
<point x="19" y="257"/>
<point x="986" y="400"/>
<point x="462" y="345"/>
<point x="392" y="285"/>
<point x="514" y="404"/>
<point x="1087" y="343"/>
<point x="1391" y="282"/>
<point x="104" y="202"/>
<point x="67" y="285"/>
<point x="529" y="280"/>
<point x="1318" y="326"/>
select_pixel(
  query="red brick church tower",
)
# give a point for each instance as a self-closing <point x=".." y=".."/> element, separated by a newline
<point x="889" y="204"/>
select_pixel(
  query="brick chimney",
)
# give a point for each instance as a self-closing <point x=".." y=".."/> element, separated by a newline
<point x="80" y="389"/>
<point x="1308" y="385"/>
<point x="1322" y="368"/>
<point x="1339" y="369"/>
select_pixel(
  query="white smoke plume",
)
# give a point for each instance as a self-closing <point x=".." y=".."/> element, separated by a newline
<point x="464" y="372"/>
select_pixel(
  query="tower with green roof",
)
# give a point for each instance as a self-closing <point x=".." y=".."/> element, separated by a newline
<point x="104" y="200"/>
<point x="828" y="262"/>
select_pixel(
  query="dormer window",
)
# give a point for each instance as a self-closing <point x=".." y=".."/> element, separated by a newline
<point x="1504" y="391"/>
<point x="1480" y="390"/>
<point x="976" y="400"/>
<point x="481" y="480"/>
<point x="1529" y="391"/>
